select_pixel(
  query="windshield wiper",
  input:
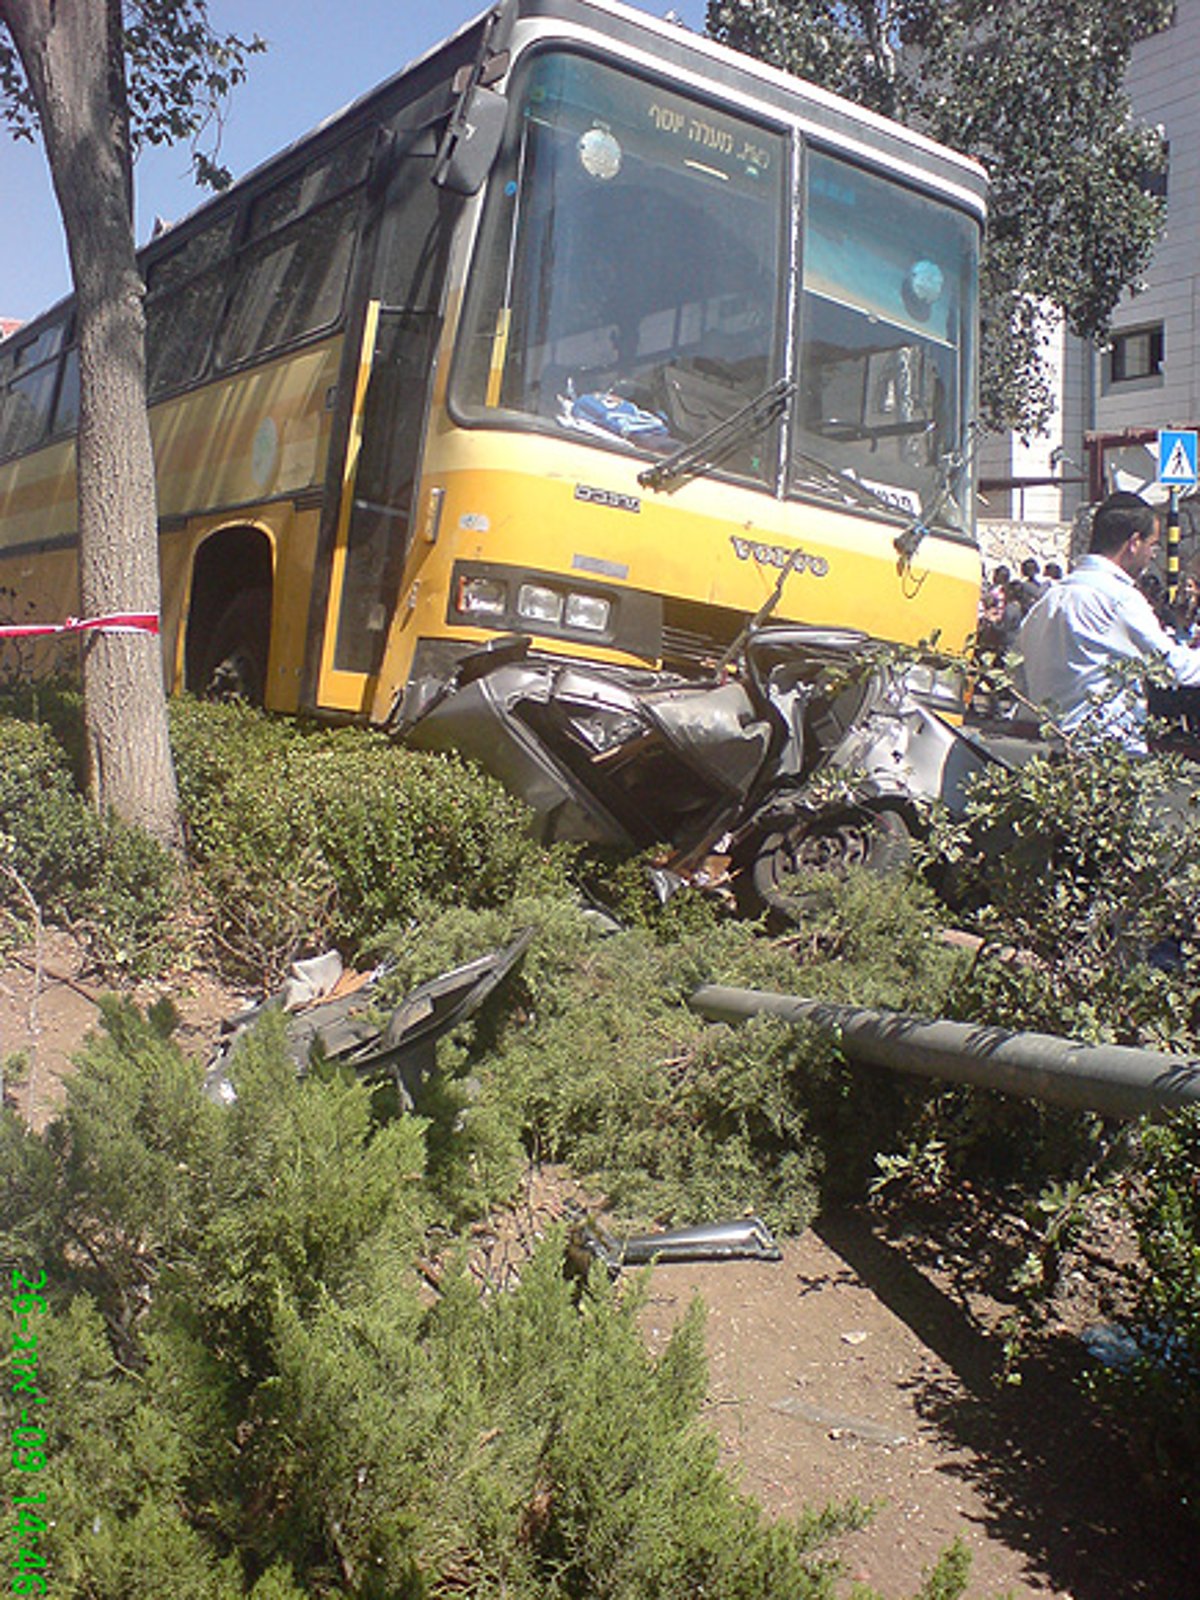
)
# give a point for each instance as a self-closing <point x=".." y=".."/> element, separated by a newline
<point x="755" y="416"/>
<point x="949" y="466"/>
<point x="841" y="481"/>
<point x="855" y="492"/>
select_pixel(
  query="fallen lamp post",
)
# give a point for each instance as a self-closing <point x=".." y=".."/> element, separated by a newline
<point x="1121" y="1081"/>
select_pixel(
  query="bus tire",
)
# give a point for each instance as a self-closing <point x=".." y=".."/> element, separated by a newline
<point x="234" y="666"/>
<point x="833" y="841"/>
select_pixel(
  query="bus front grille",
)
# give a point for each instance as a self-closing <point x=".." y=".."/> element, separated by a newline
<point x="695" y="637"/>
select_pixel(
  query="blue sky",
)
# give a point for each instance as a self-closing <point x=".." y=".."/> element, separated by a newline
<point x="322" y="55"/>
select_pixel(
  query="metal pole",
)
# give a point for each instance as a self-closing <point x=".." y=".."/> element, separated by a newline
<point x="1173" y="542"/>
<point x="1111" y="1080"/>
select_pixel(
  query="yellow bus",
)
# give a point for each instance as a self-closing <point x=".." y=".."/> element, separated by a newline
<point x="581" y="328"/>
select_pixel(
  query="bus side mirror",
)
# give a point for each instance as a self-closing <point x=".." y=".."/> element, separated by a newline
<point x="471" y="142"/>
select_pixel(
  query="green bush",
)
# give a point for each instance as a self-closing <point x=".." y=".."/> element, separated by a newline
<point x="251" y="1390"/>
<point x="298" y="838"/>
<point x="1087" y="866"/>
<point x="57" y="706"/>
<point x="1082" y="872"/>
<point x="592" y="1052"/>
<point x="53" y="842"/>
<point x="112" y="883"/>
<point x="304" y="838"/>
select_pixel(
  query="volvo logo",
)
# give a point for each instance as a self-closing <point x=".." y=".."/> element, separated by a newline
<point x="778" y="555"/>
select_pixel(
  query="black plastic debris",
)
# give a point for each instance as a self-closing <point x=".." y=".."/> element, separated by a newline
<point x="344" y="1031"/>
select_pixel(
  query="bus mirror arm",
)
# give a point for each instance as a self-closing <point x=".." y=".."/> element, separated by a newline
<point x="471" y="141"/>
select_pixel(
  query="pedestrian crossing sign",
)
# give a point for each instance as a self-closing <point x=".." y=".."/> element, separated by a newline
<point x="1177" y="457"/>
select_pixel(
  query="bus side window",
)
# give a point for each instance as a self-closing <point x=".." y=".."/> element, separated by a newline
<point x="310" y="187"/>
<point x="293" y="268"/>
<point x="185" y="292"/>
<point x="25" y="408"/>
<point x="179" y="330"/>
<point x="292" y="284"/>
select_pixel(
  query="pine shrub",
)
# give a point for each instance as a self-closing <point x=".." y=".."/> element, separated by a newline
<point x="593" y="1052"/>
<point x="251" y="1390"/>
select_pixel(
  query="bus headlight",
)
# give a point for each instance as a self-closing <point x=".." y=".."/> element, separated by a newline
<point x="588" y="611"/>
<point x="531" y="602"/>
<point x="482" y="597"/>
<point x="536" y="603"/>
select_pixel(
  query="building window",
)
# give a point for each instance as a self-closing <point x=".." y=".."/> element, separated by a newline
<point x="1136" y="354"/>
<point x="1153" y="180"/>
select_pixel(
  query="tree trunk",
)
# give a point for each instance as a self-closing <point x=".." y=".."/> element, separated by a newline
<point x="74" y="60"/>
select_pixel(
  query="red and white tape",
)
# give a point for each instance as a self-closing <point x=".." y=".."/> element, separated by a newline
<point x="115" y="622"/>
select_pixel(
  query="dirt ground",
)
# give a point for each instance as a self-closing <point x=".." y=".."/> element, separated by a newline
<point x="863" y="1364"/>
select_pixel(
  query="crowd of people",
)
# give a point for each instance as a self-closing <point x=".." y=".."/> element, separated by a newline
<point x="1081" y="644"/>
<point x="1006" y="600"/>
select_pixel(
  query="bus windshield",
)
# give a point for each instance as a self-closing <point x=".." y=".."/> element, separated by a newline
<point x="886" y="328"/>
<point x="633" y="257"/>
<point x="632" y="250"/>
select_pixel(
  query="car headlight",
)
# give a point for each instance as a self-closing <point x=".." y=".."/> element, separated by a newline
<point x="606" y="730"/>
<point x="938" y="687"/>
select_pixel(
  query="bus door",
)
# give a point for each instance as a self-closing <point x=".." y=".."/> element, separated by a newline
<point x="400" y="331"/>
<point x="369" y="557"/>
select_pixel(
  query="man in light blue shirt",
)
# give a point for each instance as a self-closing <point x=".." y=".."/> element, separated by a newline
<point x="1082" y="643"/>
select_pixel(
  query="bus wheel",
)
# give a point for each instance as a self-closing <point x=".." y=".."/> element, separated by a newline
<point x="849" y="836"/>
<point x="234" y="666"/>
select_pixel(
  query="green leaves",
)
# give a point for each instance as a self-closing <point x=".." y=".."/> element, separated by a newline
<point x="179" y="73"/>
<point x="113" y="882"/>
<point x="302" y="838"/>
<point x="253" y="1392"/>
<point x="1087" y="869"/>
